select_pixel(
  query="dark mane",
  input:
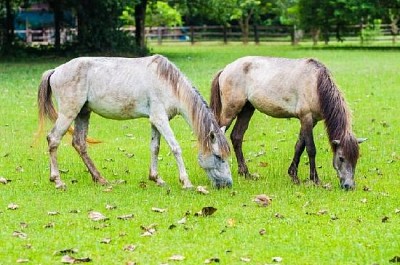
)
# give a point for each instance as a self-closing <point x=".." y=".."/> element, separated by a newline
<point x="335" y="112"/>
<point x="201" y="118"/>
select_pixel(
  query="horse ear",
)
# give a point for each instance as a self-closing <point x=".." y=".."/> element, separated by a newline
<point x="223" y="129"/>
<point x="336" y="142"/>
<point x="360" y="140"/>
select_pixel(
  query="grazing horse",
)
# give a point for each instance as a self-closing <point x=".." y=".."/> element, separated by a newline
<point x="127" y="88"/>
<point x="285" y="88"/>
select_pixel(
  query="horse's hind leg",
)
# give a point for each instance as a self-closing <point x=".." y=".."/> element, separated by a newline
<point x="154" y="149"/>
<point x="79" y="143"/>
<point x="237" y="134"/>
<point x="54" y="138"/>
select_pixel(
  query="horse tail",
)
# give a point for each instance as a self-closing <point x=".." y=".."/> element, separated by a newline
<point x="215" y="98"/>
<point x="44" y="101"/>
<point x="46" y="106"/>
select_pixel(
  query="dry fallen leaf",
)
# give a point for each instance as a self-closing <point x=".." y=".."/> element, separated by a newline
<point x="4" y="181"/>
<point x="245" y="259"/>
<point x="71" y="260"/>
<point x="49" y="225"/>
<point x="149" y="230"/>
<point x="206" y="211"/>
<point x="395" y="259"/>
<point x="211" y="260"/>
<point x="182" y="221"/>
<point x="364" y="200"/>
<point x="65" y="251"/>
<point x="96" y="216"/>
<point x="202" y="190"/>
<point x="279" y="216"/>
<point x="106" y="240"/>
<point x="130" y="248"/>
<point x="322" y="212"/>
<point x="327" y="186"/>
<point x="125" y="217"/>
<point x="262" y="231"/>
<point x="277" y="259"/>
<point x="158" y="210"/>
<point x="385" y="219"/>
<point x="22" y="260"/>
<point x="397" y="211"/>
<point x="12" y="206"/>
<point x="176" y="258"/>
<point x="19" y="234"/>
<point x="110" y="207"/>
<point x="53" y="213"/>
<point x="262" y="200"/>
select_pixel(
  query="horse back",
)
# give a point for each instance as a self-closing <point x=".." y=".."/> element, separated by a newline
<point x="278" y="87"/>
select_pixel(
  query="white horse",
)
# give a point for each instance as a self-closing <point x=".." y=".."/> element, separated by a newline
<point x="286" y="88"/>
<point x="127" y="88"/>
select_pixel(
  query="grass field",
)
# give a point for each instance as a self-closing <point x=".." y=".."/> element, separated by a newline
<point x="304" y="224"/>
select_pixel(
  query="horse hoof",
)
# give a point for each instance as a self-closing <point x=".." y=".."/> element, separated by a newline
<point x="252" y="176"/>
<point x="187" y="186"/>
<point x="296" y="180"/>
<point x="61" y="186"/>
<point x="101" y="181"/>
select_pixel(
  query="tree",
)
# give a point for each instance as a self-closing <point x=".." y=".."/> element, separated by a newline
<point x="162" y="14"/>
<point x="140" y="18"/>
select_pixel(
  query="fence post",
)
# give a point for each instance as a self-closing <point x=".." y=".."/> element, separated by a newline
<point x="192" y="35"/>
<point x="225" y="34"/>
<point x="256" y="37"/>
<point x="159" y="35"/>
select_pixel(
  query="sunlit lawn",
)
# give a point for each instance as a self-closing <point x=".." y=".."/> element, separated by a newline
<point x="303" y="224"/>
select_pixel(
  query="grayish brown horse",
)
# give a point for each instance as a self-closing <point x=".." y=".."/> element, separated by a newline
<point x="124" y="88"/>
<point x="285" y="88"/>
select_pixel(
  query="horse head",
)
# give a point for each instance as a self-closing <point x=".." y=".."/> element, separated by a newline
<point x="345" y="160"/>
<point x="214" y="162"/>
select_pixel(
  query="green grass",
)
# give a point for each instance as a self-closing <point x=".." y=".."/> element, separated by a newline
<point x="351" y="231"/>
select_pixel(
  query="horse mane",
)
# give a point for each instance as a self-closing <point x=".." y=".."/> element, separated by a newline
<point x="202" y="119"/>
<point x="335" y="112"/>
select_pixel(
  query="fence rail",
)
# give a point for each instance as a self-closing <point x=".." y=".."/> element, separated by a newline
<point x="225" y="34"/>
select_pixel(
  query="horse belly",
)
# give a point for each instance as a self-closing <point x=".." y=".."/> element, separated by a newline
<point x="119" y="108"/>
<point x="273" y="104"/>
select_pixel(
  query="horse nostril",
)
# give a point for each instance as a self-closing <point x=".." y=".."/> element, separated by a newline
<point x="347" y="186"/>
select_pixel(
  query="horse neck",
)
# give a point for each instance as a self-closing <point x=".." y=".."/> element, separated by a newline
<point x="191" y="105"/>
<point x="334" y="109"/>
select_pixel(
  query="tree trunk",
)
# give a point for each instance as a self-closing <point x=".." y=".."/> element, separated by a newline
<point x="315" y="35"/>
<point x="83" y="30"/>
<point x="9" y="29"/>
<point x="394" y="28"/>
<point x="245" y="30"/>
<point x="140" y="15"/>
<point x="256" y="36"/>
<point x="58" y="16"/>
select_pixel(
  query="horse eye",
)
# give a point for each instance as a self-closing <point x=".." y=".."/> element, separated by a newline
<point x="341" y="159"/>
<point x="218" y="157"/>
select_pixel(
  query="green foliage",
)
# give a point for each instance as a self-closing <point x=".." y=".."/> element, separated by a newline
<point x="371" y="32"/>
<point x="157" y="14"/>
<point x="303" y="225"/>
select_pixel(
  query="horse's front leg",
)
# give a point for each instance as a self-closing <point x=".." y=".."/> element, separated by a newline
<point x="154" y="149"/>
<point x="298" y="151"/>
<point x="162" y="125"/>
<point x="307" y="132"/>
<point x="79" y="143"/>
